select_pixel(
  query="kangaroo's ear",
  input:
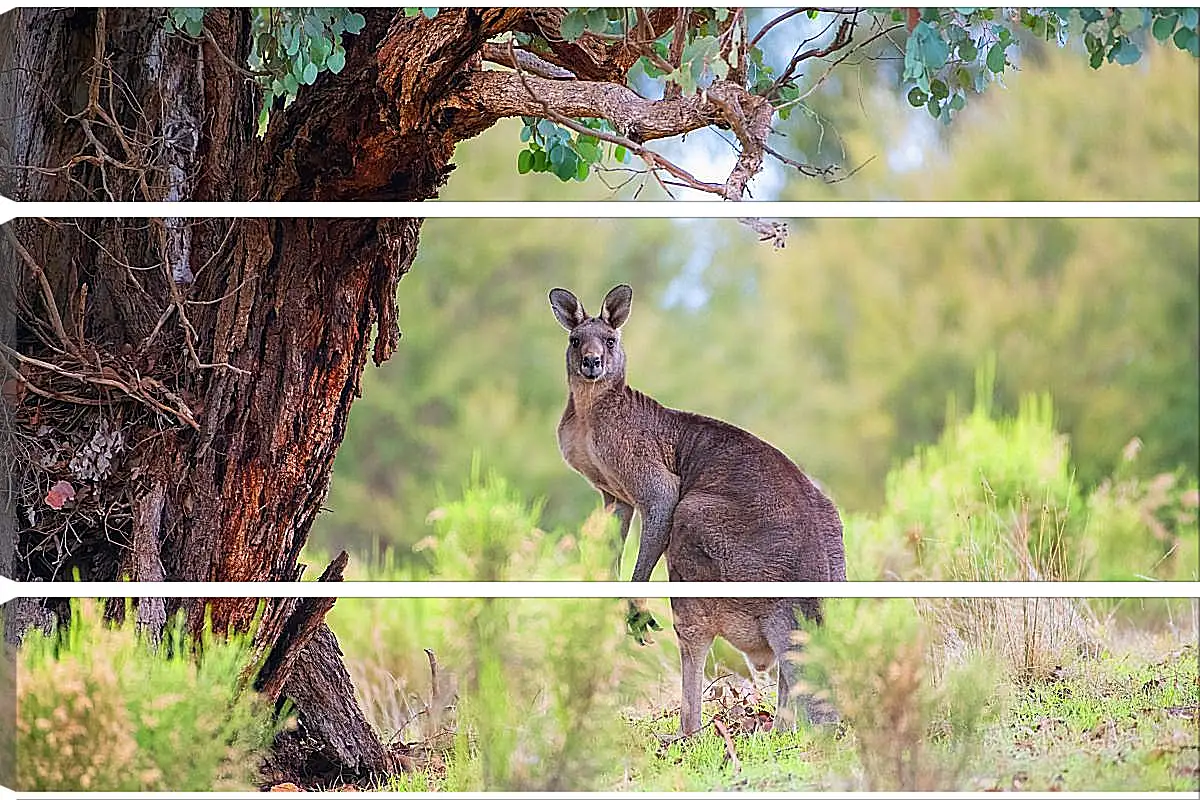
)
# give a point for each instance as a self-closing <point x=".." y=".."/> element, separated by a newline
<point x="617" y="304"/>
<point x="567" y="308"/>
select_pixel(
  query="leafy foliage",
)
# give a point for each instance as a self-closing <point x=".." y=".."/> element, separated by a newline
<point x="949" y="55"/>
<point x="289" y="47"/>
<point x="996" y="499"/>
<point x="565" y="153"/>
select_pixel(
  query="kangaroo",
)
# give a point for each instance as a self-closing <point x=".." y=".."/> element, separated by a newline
<point x="720" y="503"/>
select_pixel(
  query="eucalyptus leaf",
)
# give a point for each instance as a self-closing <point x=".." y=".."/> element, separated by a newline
<point x="1164" y="26"/>
<point x="336" y="61"/>
<point x="996" y="58"/>
<point x="573" y="25"/>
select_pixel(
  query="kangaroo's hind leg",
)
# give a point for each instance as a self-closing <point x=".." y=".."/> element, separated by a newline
<point x="779" y="630"/>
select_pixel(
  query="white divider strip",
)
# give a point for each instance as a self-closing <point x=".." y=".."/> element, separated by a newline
<point x="615" y="210"/>
<point x="599" y="589"/>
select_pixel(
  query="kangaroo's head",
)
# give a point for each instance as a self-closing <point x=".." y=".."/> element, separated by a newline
<point x="594" y="351"/>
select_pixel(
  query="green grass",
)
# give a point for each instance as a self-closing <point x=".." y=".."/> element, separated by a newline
<point x="1116" y="723"/>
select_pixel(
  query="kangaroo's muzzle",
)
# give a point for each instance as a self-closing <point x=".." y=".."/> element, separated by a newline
<point x="591" y="367"/>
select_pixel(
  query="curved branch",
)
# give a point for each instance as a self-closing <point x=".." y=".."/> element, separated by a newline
<point x="516" y="58"/>
<point x="484" y="97"/>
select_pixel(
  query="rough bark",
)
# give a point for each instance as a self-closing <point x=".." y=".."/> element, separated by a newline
<point x="191" y="380"/>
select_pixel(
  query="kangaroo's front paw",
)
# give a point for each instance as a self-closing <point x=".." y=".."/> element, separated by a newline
<point x="638" y="621"/>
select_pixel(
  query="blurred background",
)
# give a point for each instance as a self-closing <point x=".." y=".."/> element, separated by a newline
<point x="846" y="347"/>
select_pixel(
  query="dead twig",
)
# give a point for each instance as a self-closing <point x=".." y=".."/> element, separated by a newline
<point x="111" y="379"/>
<point x="730" y="752"/>
<point x="47" y="292"/>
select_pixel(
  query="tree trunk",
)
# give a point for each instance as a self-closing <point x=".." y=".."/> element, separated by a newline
<point x="175" y="390"/>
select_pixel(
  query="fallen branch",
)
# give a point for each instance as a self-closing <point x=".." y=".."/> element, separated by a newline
<point x="297" y="631"/>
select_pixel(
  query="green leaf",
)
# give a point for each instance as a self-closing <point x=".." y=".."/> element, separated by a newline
<point x="1185" y="39"/>
<point x="929" y="46"/>
<point x="194" y="27"/>
<point x="524" y="161"/>
<point x="995" y="58"/>
<point x="916" y="97"/>
<point x="957" y="102"/>
<point x="1190" y="17"/>
<point x="564" y="170"/>
<point x="355" y="23"/>
<point x="313" y="26"/>
<point x="573" y="25"/>
<point x="582" y="171"/>
<point x="1126" y="53"/>
<point x="264" y="115"/>
<point x="621" y="154"/>
<point x="541" y="161"/>
<point x="318" y="50"/>
<point x="1164" y="26"/>
<point x="310" y="73"/>
<point x="939" y="89"/>
<point x="588" y="151"/>
<point x="336" y="61"/>
<point x="547" y="130"/>
<point x="597" y="20"/>
<point x="967" y="51"/>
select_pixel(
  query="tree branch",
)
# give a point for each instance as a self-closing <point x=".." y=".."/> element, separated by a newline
<point x="484" y="97"/>
<point x="653" y="160"/>
<point x="525" y="61"/>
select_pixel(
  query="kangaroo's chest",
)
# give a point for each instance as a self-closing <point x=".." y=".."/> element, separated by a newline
<point x="583" y="450"/>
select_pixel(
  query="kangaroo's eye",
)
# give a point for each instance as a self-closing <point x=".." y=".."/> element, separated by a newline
<point x="611" y="343"/>
<point x="575" y="341"/>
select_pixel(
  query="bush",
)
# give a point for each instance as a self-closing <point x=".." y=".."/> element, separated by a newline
<point x="98" y="709"/>
<point x="995" y="499"/>
<point x="914" y="729"/>
<point x="538" y="678"/>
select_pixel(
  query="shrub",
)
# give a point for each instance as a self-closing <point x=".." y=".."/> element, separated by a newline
<point x="98" y="709"/>
<point x="914" y="730"/>
<point x="538" y="678"/>
<point x="995" y="499"/>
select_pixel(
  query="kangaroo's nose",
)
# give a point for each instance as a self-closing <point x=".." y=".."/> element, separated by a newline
<point x="591" y="363"/>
